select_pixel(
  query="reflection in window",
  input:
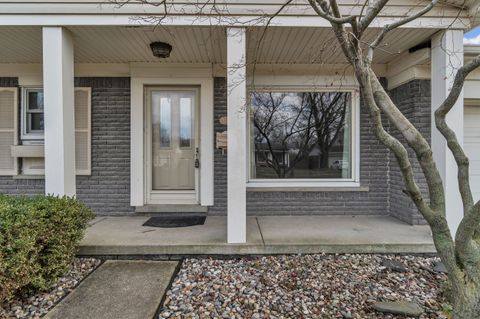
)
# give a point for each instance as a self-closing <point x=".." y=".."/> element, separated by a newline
<point x="301" y="135"/>
<point x="165" y="122"/>
<point x="185" y="122"/>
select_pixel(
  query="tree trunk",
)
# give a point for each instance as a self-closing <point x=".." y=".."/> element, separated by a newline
<point x="324" y="155"/>
<point x="467" y="305"/>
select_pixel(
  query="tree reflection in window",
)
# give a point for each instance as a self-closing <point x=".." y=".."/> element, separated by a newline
<point x="301" y="135"/>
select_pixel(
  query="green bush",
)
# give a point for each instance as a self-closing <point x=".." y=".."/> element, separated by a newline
<point x="38" y="240"/>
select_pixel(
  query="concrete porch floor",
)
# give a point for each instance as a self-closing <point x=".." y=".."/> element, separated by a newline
<point x="265" y="235"/>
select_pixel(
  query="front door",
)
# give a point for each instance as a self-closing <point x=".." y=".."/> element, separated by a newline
<point x="172" y="145"/>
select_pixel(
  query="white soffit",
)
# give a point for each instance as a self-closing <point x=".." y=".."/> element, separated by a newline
<point x="282" y="45"/>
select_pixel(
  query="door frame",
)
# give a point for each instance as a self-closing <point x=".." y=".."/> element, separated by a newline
<point x="142" y="75"/>
<point x="177" y="197"/>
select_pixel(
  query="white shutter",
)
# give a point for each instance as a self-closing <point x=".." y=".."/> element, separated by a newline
<point x="8" y="130"/>
<point x="83" y="131"/>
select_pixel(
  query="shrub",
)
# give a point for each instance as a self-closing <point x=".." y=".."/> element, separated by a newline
<point x="38" y="240"/>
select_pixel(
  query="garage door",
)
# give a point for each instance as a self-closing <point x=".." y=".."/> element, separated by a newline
<point x="472" y="144"/>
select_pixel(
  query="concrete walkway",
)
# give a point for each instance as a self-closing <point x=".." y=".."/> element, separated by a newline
<point x="265" y="235"/>
<point x="118" y="290"/>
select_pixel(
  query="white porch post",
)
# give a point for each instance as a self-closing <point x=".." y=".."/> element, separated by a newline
<point x="237" y="129"/>
<point x="58" y="85"/>
<point x="447" y="57"/>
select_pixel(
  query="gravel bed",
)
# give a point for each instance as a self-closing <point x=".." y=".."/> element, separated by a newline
<point x="301" y="286"/>
<point x="37" y="305"/>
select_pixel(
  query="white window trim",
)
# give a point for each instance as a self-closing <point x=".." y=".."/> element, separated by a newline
<point x="34" y="138"/>
<point x="354" y="181"/>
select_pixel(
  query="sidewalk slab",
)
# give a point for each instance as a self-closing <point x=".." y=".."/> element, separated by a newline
<point x="118" y="290"/>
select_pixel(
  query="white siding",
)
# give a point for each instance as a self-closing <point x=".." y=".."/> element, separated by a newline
<point x="215" y="8"/>
<point x="472" y="145"/>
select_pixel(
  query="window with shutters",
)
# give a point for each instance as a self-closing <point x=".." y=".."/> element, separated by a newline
<point x="25" y="155"/>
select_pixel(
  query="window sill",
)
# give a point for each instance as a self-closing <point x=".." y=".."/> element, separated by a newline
<point x="348" y="187"/>
<point x="31" y="150"/>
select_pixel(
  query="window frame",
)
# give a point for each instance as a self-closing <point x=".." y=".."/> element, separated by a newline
<point x="353" y="181"/>
<point x="25" y="136"/>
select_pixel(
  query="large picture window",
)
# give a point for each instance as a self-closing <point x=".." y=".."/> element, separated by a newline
<point x="301" y="135"/>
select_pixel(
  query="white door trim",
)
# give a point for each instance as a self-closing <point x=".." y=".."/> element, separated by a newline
<point x="160" y="197"/>
<point x="137" y="152"/>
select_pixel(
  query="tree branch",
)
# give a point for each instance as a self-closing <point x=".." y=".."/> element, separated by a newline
<point x="416" y="141"/>
<point x="471" y="220"/>
<point x="390" y="27"/>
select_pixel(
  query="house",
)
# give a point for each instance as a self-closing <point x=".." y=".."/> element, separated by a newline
<point x="119" y="105"/>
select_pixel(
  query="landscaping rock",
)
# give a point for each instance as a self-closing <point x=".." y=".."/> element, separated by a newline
<point x="439" y="267"/>
<point x="302" y="286"/>
<point x="394" y="265"/>
<point x="399" y="308"/>
<point x="37" y="305"/>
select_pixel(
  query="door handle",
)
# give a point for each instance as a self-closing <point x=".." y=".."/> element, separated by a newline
<point x="197" y="160"/>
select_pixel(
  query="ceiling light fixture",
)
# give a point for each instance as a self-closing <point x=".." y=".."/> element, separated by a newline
<point x="161" y="49"/>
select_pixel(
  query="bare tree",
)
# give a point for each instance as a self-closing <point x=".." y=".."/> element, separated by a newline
<point x="329" y="112"/>
<point x="279" y="127"/>
<point x="459" y="252"/>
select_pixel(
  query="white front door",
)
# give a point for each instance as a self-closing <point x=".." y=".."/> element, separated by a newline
<point x="172" y="151"/>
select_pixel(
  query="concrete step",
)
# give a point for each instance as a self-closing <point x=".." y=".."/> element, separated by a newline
<point x="148" y="210"/>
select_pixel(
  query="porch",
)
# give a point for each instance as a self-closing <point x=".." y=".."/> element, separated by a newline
<point x="113" y="65"/>
<point x="125" y="236"/>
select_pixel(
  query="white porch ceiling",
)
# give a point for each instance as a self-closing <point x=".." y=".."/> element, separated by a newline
<point x="199" y="44"/>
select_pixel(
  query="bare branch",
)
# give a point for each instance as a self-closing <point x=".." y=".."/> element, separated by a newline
<point x="319" y="7"/>
<point x="390" y="27"/>
<point x="471" y="220"/>
<point x="416" y="141"/>
<point x="372" y="12"/>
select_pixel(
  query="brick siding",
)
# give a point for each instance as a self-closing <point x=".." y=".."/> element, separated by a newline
<point x="373" y="174"/>
<point x="107" y="189"/>
<point x="413" y="99"/>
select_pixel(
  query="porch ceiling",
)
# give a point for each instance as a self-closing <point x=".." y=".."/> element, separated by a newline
<point x="199" y="44"/>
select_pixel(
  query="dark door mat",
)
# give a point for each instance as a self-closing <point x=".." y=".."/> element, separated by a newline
<point x="172" y="221"/>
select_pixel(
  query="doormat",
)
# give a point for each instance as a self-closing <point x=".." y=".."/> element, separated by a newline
<point x="172" y="222"/>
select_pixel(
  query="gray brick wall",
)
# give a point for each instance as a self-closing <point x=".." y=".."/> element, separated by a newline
<point x="219" y="159"/>
<point x="374" y="167"/>
<point x="413" y="99"/>
<point x="107" y="189"/>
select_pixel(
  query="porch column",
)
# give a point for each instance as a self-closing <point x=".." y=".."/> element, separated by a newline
<point x="58" y="85"/>
<point x="237" y="129"/>
<point x="447" y="57"/>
